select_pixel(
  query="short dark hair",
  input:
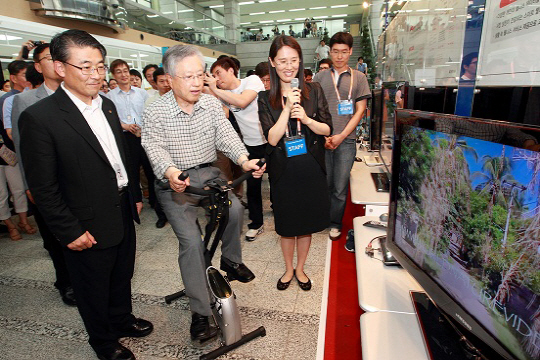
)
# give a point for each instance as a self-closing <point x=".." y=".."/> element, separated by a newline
<point x="236" y="61"/>
<point x="341" y="38"/>
<point x="326" y="61"/>
<point x="262" y="69"/>
<point x="17" y="66"/>
<point x="250" y="72"/>
<point x="308" y="72"/>
<point x="226" y="63"/>
<point x="116" y="63"/>
<point x="112" y="80"/>
<point x="360" y="58"/>
<point x="33" y="76"/>
<point x="61" y="43"/>
<point x="159" y="72"/>
<point x="148" y="67"/>
<point x="136" y="73"/>
<point x="39" y="49"/>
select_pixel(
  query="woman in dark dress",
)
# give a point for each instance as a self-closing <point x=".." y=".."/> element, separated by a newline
<point x="295" y="121"/>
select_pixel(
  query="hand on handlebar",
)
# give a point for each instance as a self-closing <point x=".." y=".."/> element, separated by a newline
<point x="176" y="184"/>
<point x="252" y="165"/>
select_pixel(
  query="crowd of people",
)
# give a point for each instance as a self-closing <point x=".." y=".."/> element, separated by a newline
<point x="74" y="145"/>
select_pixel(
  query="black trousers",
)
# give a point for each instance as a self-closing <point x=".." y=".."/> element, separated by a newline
<point x="53" y="246"/>
<point x="254" y="196"/>
<point x="139" y="158"/>
<point x="101" y="279"/>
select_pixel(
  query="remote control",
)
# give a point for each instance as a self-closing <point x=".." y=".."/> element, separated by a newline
<point x="376" y="224"/>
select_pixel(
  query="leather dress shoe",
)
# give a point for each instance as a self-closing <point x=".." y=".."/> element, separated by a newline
<point x="139" y="328"/>
<point x="116" y="352"/>
<point x="236" y="271"/>
<point x="200" y="328"/>
<point x="161" y="223"/>
<point x="68" y="296"/>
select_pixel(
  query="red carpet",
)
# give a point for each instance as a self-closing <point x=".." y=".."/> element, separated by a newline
<point x="343" y="316"/>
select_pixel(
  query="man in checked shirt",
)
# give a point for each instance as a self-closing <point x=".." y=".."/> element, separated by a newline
<point x="183" y="129"/>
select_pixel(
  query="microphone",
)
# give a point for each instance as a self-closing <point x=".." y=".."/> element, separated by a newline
<point x="295" y="83"/>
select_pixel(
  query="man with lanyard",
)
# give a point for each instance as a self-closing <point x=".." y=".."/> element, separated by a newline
<point x="183" y="131"/>
<point x="240" y="96"/>
<point x="129" y="101"/>
<point x="346" y="91"/>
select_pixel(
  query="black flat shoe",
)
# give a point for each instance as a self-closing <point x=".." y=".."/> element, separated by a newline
<point x="116" y="352"/>
<point x="200" y="328"/>
<point x="303" y="285"/>
<point x="140" y="328"/>
<point x="283" y="285"/>
<point x="236" y="271"/>
<point x="68" y="296"/>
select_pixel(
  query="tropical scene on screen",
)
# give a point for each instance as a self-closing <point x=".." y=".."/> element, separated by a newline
<point x="468" y="214"/>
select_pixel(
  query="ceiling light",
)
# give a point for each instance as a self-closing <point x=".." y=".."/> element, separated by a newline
<point x="444" y="9"/>
<point x="259" y="13"/>
<point x="190" y="21"/>
<point x="276" y="11"/>
<point x="188" y="10"/>
<point x="341" y="15"/>
<point x="297" y="9"/>
<point x="167" y="12"/>
<point x="282" y="20"/>
<point x="318" y="8"/>
<point x="246" y="23"/>
<point x="9" y="38"/>
<point x="216" y="6"/>
<point x="265" y="1"/>
<point x="365" y="4"/>
<point x="422" y="10"/>
<point x="247" y="3"/>
<point x="135" y="55"/>
<point x="299" y="19"/>
<point x="320" y="17"/>
<point x="199" y="20"/>
<point x="152" y="16"/>
<point x="266" y="21"/>
<point x="338" y="6"/>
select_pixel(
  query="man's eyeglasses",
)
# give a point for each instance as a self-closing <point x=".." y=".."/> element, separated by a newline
<point x="47" y="57"/>
<point x="191" y="78"/>
<point x="89" y="70"/>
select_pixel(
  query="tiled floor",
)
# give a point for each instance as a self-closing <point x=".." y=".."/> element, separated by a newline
<point x="35" y="324"/>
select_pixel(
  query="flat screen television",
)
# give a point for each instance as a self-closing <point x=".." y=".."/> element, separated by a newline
<point x="464" y="220"/>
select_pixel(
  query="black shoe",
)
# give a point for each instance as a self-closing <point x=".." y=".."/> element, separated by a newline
<point x="236" y="271"/>
<point x="139" y="328"/>
<point x="116" y="352"/>
<point x="200" y="328"/>
<point x="161" y="223"/>
<point x="349" y="245"/>
<point x="283" y="285"/>
<point x="68" y="296"/>
<point x="303" y="285"/>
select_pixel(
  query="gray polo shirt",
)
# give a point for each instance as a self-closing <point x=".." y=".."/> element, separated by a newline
<point x="360" y="91"/>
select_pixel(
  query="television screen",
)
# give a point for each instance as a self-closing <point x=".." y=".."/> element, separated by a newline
<point x="465" y="222"/>
<point x="376" y="116"/>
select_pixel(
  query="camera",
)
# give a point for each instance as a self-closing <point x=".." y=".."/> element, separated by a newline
<point x="37" y="43"/>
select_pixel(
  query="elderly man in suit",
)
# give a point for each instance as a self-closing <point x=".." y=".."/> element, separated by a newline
<point x="43" y="63"/>
<point x="75" y="159"/>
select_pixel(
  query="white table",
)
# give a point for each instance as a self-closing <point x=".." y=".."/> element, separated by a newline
<point x="363" y="190"/>
<point x="391" y="336"/>
<point x="380" y="287"/>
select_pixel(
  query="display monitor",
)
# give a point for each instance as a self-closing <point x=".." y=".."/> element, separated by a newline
<point x="465" y="222"/>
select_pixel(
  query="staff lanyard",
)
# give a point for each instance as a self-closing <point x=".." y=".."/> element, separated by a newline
<point x="335" y="86"/>
<point x="298" y="124"/>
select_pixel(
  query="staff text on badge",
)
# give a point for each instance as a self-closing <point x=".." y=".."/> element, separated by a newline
<point x="295" y="147"/>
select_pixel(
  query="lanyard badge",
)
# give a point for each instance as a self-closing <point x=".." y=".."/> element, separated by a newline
<point x="345" y="107"/>
<point x="295" y="145"/>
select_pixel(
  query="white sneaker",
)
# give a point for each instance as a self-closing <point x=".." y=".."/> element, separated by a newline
<point x="334" y="234"/>
<point x="251" y="234"/>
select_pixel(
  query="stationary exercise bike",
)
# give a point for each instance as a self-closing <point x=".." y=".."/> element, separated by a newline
<point x="224" y="308"/>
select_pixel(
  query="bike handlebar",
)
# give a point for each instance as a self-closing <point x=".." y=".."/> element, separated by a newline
<point x="232" y="184"/>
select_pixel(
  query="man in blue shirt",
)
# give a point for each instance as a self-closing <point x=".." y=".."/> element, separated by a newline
<point x="129" y="101"/>
<point x="361" y="66"/>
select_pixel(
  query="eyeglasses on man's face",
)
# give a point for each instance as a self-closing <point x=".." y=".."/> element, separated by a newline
<point x="191" y="78"/>
<point x="46" y="57"/>
<point x="89" y="70"/>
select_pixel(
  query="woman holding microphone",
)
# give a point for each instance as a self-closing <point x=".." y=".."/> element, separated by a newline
<point x="295" y="118"/>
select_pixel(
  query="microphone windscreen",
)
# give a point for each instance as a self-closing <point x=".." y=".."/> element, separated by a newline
<point x="295" y="83"/>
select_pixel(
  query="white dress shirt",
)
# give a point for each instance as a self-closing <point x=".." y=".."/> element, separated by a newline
<point x="97" y="121"/>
